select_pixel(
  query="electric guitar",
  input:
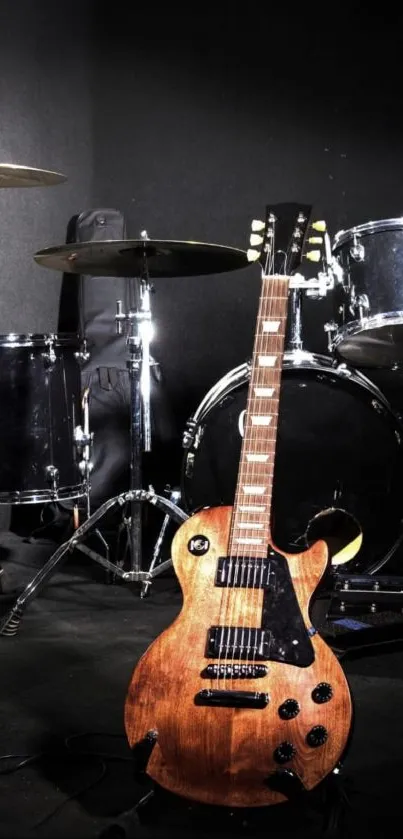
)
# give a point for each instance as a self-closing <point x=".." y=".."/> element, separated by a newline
<point x="240" y="702"/>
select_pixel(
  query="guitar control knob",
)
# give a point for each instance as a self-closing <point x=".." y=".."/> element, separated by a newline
<point x="289" y="709"/>
<point x="317" y="736"/>
<point x="322" y="693"/>
<point x="284" y="752"/>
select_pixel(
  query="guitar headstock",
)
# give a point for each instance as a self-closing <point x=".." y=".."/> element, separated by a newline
<point x="279" y="242"/>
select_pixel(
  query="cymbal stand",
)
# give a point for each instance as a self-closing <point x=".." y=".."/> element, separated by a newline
<point x="314" y="288"/>
<point x="138" y="336"/>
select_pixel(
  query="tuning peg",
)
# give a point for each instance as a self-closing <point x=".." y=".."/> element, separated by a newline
<point x="320" y="226"/>
<point x="313" y="256"/>
<point x="257" y="225"/>
<point x="252" y="255"/>
<point x="255" y="239"/>
<point x="315" y="240"/>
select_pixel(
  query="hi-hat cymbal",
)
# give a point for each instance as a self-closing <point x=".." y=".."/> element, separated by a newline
<point x="130" y="257"/>
<point x="12" y="175"/>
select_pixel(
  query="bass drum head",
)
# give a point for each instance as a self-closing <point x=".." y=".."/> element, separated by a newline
<point x="338" y="463"/>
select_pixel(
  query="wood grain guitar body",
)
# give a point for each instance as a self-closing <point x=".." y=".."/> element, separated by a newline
<point x="236" y="728"/>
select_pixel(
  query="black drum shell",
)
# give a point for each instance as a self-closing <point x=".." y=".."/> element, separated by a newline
<point x="368" y="303"/>
<point x="40" y="407"/>
<point x="339" y="446"/>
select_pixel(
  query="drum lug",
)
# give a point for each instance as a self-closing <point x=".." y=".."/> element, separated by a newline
<point x="49" y="356"/>
<point x="84" y="442"/>
<point x="377" y="406"/>
<point x="52" y="475"/>
<point x="192" y="435"/>
<point x="189" y="466"/>
<point x="362" y="306"/>
<point x="357" y="250"/>
<point x="83" y="355"/>
<point x="330" y="329"/>
<point x="189" y="433"/>
<point x="343" y="370"/>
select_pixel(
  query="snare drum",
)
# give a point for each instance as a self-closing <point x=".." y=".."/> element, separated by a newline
<point x="368" y="318"/>
<point x="339" y="460"/>
<point x="40" y="408"/>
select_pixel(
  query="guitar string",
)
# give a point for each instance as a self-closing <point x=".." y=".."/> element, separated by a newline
<point x="239" y="561"/>
<point x="246" y="566"/>
<point x="236" y="564"/>
<point x="268" y="345"/>
<point x="235" y="561"/>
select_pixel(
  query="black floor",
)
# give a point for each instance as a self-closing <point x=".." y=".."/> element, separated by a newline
<point x="65" y="675"/>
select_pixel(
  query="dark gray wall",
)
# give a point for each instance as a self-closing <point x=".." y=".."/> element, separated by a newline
<point x="190" y="122"/>
<point x="204" y="116"/>
<point x="46" y="122"/>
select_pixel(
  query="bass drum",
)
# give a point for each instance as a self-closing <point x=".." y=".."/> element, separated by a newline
<point x="339" y="459"/>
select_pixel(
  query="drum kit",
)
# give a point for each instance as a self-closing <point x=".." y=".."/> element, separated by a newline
<point x="339" y="456"/>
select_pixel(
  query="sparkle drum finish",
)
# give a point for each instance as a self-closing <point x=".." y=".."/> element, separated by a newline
<point x="368" y="303"/>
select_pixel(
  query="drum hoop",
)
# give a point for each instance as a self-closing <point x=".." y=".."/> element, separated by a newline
<point x="36" y="339"/>
<point x="293" y="361"/>
<point x="355" y="327"/>
<point x="40" y="496"/>
<point x="343" y="236"/>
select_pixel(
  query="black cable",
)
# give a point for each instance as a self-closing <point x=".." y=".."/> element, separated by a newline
<point x="71" y="797"/>
<point x="102" y="757"/>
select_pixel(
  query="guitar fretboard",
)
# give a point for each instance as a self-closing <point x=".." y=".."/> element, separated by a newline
<point x="250" y="527"/>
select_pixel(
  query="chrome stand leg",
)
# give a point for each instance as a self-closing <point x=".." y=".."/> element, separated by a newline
<point x="10" y="623"/>
<point x="174" y="496"/>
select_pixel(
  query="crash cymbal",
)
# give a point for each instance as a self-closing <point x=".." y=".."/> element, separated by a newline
<point x="127" y="258"/>
<point x="12" y="175"/>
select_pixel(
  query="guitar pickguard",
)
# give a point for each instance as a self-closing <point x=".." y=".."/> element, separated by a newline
<point x="282" y="634"/>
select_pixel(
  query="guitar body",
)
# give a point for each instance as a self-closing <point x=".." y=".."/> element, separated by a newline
<point x="225" y="755"/>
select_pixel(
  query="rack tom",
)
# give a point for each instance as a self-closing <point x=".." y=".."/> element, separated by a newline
<point x="368" y="320"/>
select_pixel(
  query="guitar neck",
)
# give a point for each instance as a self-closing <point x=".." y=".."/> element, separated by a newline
<point x="250" y="527"/>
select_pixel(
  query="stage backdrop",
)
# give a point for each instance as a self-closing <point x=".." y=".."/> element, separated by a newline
<point x="189" y="121"/>
<point x="45" y="122"/>
<point x="205" y="115"/>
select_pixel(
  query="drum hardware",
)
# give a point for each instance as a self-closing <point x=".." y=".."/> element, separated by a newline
<point x="40" y="384"/>
<point x="357" y="250"/>
<point x="142" y="259"/>
<point x="175" y="497"/>
<point x="138" y="326"/>
<point x="367" y="327"/>
<point x="10" y="623"/>
<point x="315" y="289"/>
<point x="84" y="439"/>
<point x="12" y="175"/>
<point x="128" y="257"/>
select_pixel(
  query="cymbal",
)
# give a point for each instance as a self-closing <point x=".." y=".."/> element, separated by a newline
<point x="12" y="175"/>
<point x="129" y="257"/>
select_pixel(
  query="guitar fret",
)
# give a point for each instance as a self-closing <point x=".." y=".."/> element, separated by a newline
<point x="267" y="360"/>
<point x="250" y="527"/>
<point x="271" y="326"/>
